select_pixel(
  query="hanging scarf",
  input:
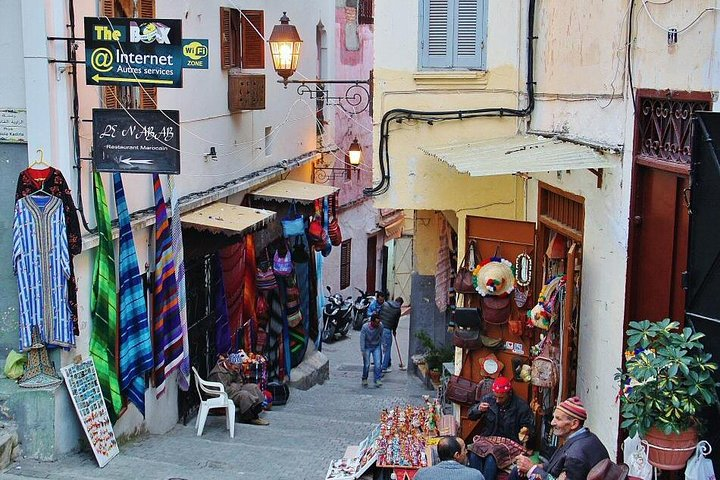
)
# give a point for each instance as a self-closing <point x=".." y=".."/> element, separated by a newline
<point x="232" y="258"/>
<point x="177" y="245"/>
<point x="167" y="330"/>
<point x="135" y="344"/>
<point x="103" y="306"/>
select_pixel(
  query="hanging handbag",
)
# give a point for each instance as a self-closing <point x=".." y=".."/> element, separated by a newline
<point x="544" y="368"/>
<point x="464" y="279"/>
<point x="299" y="252"/>
<point x="461" y="390"/>
<point x="334" y="227"/>
<point x="265" y="277"/>
<point x="293" y="224"/>
<point x="468" y="325"/>
<point x="282" y="265"/>
<point x="280" y="392"/>
<point x="496" y="309"/>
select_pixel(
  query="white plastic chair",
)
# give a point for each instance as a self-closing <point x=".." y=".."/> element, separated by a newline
<point x="217" y="398"/>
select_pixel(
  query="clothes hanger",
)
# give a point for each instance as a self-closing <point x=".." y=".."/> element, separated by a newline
<point x="41" y="160"/>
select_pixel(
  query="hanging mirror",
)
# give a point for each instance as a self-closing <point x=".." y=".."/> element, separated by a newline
<point x="523" y="269"/>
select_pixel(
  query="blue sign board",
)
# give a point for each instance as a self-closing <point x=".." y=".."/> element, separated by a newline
<point x="195" y="53"/>
<point x="132" y="51"/>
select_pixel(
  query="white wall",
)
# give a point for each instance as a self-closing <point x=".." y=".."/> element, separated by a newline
<point x="12" y="80"/>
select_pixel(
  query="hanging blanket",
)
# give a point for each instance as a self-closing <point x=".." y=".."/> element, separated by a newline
<point x="135" y="343"/>
<point x="222" y="327"/>
<point x="167" y="329"/>
<point x="103" y="306"/>
<point x="275" y="351"/>
<point x="250" y="295"/>
<point x="179" y="251"/>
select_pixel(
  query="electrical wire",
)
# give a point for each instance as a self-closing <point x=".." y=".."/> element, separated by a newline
<point x="678" y="30"/>
<point x="629" y="56"/>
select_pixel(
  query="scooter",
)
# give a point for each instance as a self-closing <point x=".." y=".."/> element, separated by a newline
<point x="362" y="302"/>
<point x="337" y="316"/>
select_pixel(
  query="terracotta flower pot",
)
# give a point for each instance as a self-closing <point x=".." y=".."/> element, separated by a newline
<point x="670" y="452"/>
<point x="435" y="376"/>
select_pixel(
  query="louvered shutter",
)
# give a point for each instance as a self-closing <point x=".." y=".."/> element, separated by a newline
<point x="437" y="34"/>
<point x="107" y="9"/>
<point x="146" y="8"/>
<point x="225" y="50"/>
<point x="148" y="98"/>
<point x="253" y="45"/>
<point x="469" y="38"/>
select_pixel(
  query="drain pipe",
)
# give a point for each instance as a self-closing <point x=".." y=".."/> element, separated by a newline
<point x="400" y="114"/>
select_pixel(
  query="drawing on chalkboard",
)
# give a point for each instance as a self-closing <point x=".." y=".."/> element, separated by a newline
<point x="82" y="383"/>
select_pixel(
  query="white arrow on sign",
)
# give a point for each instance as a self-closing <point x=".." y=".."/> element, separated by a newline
<point x="130" y="162"/>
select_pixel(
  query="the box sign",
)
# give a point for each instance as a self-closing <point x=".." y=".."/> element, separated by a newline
<point x="195" y="53"/>
<point x="132" y="51"/>
<point x="136" y="141"/>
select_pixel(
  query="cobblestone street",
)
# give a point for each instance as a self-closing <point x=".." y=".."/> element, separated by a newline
<point x="303" y="437"/>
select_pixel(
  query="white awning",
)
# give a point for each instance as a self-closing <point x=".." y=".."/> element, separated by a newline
<point x="302" y="192"/>
<point x="519" y="154"/>
<point x="226" y="218"/>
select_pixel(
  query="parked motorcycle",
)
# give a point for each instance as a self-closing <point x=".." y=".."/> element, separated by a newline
<point x="337" y="316"/>
<point x="362" y="302"/>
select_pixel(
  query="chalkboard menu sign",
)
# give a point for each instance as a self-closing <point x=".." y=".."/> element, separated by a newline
<point x="136" y="141"/>
<point x="82" y="383"/>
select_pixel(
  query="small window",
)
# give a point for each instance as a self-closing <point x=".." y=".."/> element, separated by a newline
<point x="365" y="12"/>
<point x="345" y="255"/>
<point x="453" y="34"/>
<point x="240" y="43"/>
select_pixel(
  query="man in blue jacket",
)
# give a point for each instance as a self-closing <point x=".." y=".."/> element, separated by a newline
<point x="453" y="455"/>
<point x="581" y="451"/>
<point x="370" y="337"/>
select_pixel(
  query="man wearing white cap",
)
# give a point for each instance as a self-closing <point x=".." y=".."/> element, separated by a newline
<point x="580" y="452"/>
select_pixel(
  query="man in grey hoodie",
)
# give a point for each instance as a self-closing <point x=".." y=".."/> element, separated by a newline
<point x="390" y="317"/>
<point x="370" y="337"/>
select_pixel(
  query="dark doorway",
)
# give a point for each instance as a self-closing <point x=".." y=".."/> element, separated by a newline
<point x="371" y="264"/>
<point x="385" y="266"/>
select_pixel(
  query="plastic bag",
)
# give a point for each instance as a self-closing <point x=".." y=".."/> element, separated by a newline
<point x="636" y="457"/>
<point x="699" y="467"/>
<point x="15" y="364"/>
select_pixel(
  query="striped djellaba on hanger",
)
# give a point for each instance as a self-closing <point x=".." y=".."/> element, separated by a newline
<point x="135" y="344"/>
<point x="167" y="329"/>
<point x="103" y="306"/>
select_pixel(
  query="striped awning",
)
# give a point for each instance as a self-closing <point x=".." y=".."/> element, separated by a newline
<point x="519" y="154"/>
<point x="226" y="218"/>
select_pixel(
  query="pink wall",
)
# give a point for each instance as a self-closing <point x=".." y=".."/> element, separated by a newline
<point x="351" y="64"/>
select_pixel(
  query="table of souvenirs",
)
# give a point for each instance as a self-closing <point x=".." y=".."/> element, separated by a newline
<point x="84" y="387"/>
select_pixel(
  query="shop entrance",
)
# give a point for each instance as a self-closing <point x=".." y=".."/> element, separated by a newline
<point x="201" y="291"/>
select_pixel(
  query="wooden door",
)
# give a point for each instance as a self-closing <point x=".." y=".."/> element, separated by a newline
<point x="371" y="264"/>
<point x="658" y="251"/>
<point x="403" y="268"/>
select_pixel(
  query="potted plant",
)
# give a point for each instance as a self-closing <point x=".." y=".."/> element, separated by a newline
<point x="668" y="380"/>
<point x="435" y="355"/>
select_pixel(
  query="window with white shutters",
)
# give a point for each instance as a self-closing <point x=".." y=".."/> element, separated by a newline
<point x="453" y="33"/>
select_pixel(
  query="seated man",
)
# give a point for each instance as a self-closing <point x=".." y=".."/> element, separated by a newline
<point x="248" y="397"/>
<point x="580" y="452"/>
<point x="453" y="455"/>
<point x="506" y="425"/>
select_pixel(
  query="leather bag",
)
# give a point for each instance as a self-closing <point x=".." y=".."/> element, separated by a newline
<point x="496" y="309"/>
<point x="544" y="368"/>
<point x="468" y="326"/>
<point x="461" y="390"/>
<point x="464" y="279"/>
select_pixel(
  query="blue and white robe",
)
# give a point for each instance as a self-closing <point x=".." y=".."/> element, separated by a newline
<point x="41" y="262"/>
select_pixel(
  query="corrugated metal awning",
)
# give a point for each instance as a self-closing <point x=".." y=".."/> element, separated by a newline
<point x="302" y="192"/>
<point x="226" y="218"/>
<point x="518" y="154"/>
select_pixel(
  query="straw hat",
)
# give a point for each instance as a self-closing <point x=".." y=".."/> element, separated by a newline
<point x="494" y="277"/>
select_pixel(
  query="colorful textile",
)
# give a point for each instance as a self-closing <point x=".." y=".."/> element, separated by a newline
<point x="178" y="250"/>
<point x="233" y="271"/>
<point x="41" y="262"/>
<point x="53" y="183"/>
<point x="250" y="295"/>
<point x="103" y="306"/>
<point x="320" y="299"/>
<point x="135" y="344"/>
<point x="503" y="449"/>
<point x="167" y="330"/>
<point x="222" y="326"/>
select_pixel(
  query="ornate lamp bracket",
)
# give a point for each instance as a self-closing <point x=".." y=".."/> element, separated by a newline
<point x="355" y="99"/>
